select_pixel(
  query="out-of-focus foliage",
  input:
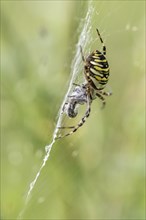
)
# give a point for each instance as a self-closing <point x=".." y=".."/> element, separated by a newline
<point x="98" y="172"/>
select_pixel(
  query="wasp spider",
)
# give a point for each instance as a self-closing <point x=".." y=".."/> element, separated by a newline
<point x="96" y="72"/>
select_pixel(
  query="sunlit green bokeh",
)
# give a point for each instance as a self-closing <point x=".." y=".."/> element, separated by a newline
<point x="97" y="173"/>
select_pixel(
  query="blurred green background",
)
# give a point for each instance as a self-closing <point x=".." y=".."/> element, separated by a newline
<point x="97" y="173"/>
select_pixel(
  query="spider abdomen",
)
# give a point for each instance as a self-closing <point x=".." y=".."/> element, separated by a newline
<point x="98" y="67"/>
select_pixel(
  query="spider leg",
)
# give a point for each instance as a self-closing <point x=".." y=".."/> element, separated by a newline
<point x="90" y="81"/>
<point x="105" y="93"/>
<point x="100" y="95"/>
<point x="102" y="98"/>
<point x="83" y="58"/>
<point x="63" y="127"/>
<point x="75" y="84"/>
<point x="82" y="121"/>
<point x="103" y="46"/>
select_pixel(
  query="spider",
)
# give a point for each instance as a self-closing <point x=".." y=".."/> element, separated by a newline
<point x="96" y="72"/>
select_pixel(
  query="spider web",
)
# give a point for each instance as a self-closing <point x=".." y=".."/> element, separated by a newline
<point x="83" y="39"/>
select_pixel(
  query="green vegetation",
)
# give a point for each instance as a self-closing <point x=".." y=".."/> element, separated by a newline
<point x="97" y="173"/>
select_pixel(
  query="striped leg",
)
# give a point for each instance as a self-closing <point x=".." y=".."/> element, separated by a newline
<point x="105" y="93"/>
<point x="102" y="98"/>
<point x="100" y="94"/>
<point x="103" y="46"/>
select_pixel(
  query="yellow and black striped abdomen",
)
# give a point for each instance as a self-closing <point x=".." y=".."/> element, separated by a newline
<point x="98" y="67"/>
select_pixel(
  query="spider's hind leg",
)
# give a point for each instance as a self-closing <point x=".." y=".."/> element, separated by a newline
<point x="103" y="46"/>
